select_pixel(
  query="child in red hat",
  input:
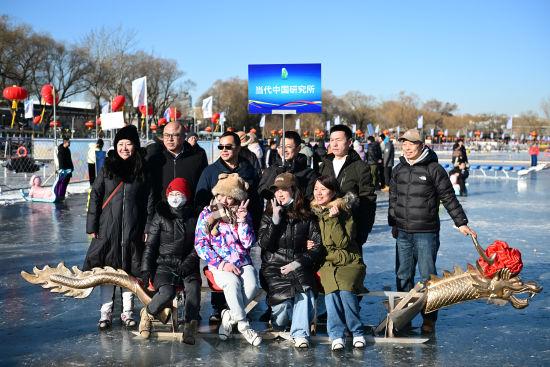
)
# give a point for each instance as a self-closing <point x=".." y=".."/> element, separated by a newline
<point x="169" y="259"/>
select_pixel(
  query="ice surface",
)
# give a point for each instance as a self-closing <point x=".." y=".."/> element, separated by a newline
<point x="42" y="328"/>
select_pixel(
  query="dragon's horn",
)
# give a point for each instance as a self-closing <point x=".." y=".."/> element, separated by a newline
<point x="488" y="260"/>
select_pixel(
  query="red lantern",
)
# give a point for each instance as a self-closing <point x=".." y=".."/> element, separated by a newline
<point x="477" y="133"/>
<point x="306" y="133"/>
<point x="89" y="124"/>
<point x="162" y="121"/>
<point x="47" y="94"/>
<point x="215" y="118"/>
<point x="118" y="103"/>
<point x="55" y="123"/>
<point x="280" y="132"/>
<point x="174" y="113"/>
<point x="37" y="119"/>
<point x="15" y="93"/>
<point x="253" y="131"/>
<point x="208" y="129"/>
<point x="533" y="133"/>
<point x="273" y="132"/>
<point x="153" y="127"/>
<point x="149" y="110"/>
<point x="98" y="122"/>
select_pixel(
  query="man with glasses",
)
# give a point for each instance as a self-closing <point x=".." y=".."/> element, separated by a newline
<point x="230" y="161"/>
<point x="295" y="163"/>
<point x="177" y="159"/>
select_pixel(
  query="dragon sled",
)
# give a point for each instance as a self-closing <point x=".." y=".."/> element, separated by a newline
<point x="495" y="278"/>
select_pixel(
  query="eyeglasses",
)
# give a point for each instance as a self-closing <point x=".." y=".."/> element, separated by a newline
<point x="226" y="147"/>
<point x="171" y="136"/>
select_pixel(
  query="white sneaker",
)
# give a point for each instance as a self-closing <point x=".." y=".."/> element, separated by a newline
<point x="338" y="344"/>
<point x="301" y="343"/>
<point x="226" y="326"/>
<point x="359" y="342"/>
<point x="251" y="336"/>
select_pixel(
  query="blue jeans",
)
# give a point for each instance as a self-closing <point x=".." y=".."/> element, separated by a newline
<point x="534" y="160"/>
<point x="342" y="312"/>
<point x="412" y="249"/>
<point x="298" y="310"/>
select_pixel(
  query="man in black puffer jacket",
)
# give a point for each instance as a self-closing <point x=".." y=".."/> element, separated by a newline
<point x="170" y="260"/>
<point x="417" y="186"/>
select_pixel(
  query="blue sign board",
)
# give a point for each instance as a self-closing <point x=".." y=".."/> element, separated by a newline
<point x="295" y="87"/>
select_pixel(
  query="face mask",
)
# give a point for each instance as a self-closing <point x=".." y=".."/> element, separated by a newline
<point x="176" y="201"/>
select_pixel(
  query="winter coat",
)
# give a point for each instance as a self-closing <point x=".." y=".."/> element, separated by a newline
<point x="231" y="244"/>
<point x="343" y="269"/>
<point x="374" y="153"/>
<point x="305" y="176"/>
<point x="282" y="244"/>
<point x="415" y="193"/>
<point x="170" y="246"/>
<point x="388" y="154"/>
<point x="252" y="158"/>
<point x="119" y="227"/>
<point x="355" y="177"/>
<point x="64" y="158"/>
<point x="245" y="170"/>
<point x="164" y="167"/>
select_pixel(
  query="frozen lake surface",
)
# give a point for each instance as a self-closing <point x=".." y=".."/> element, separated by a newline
<point x="42" y="328"/>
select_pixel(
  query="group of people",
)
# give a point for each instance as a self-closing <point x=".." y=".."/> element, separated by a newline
<point x="156" y="212"/>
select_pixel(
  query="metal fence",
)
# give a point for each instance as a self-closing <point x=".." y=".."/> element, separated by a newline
<point x="22" y="156"/>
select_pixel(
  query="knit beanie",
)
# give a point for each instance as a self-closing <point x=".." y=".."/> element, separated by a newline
<point x="179" y="184"/>
<point x="231" y="185"/>
<point x="128" y="132"/>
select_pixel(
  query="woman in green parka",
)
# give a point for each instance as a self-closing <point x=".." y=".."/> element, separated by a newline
<point x="343" y="272"/>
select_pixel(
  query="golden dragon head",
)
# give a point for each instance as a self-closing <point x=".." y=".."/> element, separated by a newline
<point x="503" y="287"/>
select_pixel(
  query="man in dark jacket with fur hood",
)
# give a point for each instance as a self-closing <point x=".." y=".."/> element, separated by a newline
<point x="417" y="186"/>
<point x="353" y="175"/>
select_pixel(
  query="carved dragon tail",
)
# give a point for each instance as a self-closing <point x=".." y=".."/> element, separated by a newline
<point x="79" y="284"/>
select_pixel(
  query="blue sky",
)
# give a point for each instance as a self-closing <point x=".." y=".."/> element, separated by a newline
<point x="486" y="56"/>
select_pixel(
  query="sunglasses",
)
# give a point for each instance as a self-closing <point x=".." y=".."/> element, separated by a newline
<point x="226" y="147"/>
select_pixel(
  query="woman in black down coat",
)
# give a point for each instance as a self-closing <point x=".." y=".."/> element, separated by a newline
<point x="170" y="260"/>
<point x="288" y="267"/>
<point x="116" y="219"/>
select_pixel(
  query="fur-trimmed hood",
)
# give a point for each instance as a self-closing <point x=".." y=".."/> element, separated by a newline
<point x="345" y="203"/>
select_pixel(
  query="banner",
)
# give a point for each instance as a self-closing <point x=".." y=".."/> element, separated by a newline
<point x="337" y="120"/>
<point x="139" y="92"/>
<point x="105" y="108"/>
<point x="29" y="113"/>
<point x="420" y="122"/>
<point x="207" y="107"/>
<point x="166" y="114"/>
<point x="370" y="129"/>
<point x="398" y="131"/>
<point x="353" y="128"/>
<point x="297" y="125"/>
<point x="294" y="87"/>
<point x="509" y="123"/>
<point x="262" y="121"/>
<point x="222" y="121"/>
<point x="113" y="120"/>
<point x="377" y="129"/>
<point x="327" y="127"/>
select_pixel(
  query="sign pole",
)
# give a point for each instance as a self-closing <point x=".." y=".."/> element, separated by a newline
<point x="284" y="113"/>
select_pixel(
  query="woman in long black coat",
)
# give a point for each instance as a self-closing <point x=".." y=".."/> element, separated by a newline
<point x="116" y="219"/>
